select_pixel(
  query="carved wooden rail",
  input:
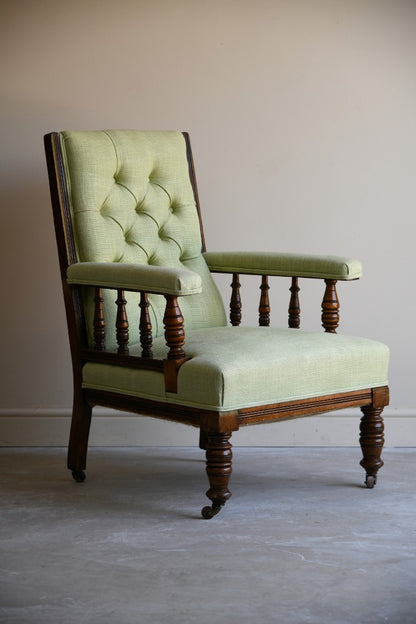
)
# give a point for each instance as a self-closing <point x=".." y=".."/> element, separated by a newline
<point x="330" y="304"/>
<point x="264" y="307"/>
<point x="294" y="307"/>
<point x="173" y="322"/>
<point x="174" y="336"/>
<point x="146" y="338"/>
<point x="235" y="303"/>
<point x="99" y="320"/>
<point x="122" y="324"/>
<point x="330" y="307"/>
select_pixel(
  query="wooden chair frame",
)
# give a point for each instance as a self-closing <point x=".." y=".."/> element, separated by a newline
<point x="216" y="428"/>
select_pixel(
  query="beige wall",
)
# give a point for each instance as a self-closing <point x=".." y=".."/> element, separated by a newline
<point x="302" y="118"/>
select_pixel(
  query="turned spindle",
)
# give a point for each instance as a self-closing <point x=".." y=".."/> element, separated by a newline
<point x="99" y="320"/>
<point x="145" y="327"/>
<point x="264" y="307"/>
<point x="122" y="324"/>
<point x="330" y="307"/>
<point x="174" y="329"/>
<point x="294" y="307"/>
<point x="235" y="304"/>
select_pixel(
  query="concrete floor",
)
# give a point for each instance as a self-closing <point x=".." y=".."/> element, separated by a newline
<point x="301" y="541"/>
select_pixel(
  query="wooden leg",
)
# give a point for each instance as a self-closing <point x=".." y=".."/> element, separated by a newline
<point x="203" y="439"/>
<point x="371" y="441"/>
<point x="219" y="467"/>
<point x="78" y="438"/>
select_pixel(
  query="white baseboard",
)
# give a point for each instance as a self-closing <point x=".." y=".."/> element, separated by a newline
<point x="50" y="427"/>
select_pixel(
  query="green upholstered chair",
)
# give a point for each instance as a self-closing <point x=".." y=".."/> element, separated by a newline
<point x="147" y="326"/>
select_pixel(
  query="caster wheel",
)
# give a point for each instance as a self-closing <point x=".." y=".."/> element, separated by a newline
<point x="209" y="512"/>
<point x="370" y="481"/>
<point x="78" y="476"/>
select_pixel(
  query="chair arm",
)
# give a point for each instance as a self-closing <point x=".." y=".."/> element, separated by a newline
<point x="146" y="278"/>
<point x="283" y="264"/>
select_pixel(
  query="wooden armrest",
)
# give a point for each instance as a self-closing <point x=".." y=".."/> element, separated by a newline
<point x="158" y="280"/>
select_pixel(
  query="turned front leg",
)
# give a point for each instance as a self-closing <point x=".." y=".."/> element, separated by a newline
<point x="371" y="441"/>
<point x="219" y="467"/>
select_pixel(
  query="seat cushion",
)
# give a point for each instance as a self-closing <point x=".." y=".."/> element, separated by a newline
<point x="236" y="367"/>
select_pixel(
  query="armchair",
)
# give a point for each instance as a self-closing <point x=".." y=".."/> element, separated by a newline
<point x="147" y="327"/>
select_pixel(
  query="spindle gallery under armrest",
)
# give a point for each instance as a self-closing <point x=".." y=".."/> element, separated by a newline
<point x="330" y="304"/>
<point x="174" y="336"/>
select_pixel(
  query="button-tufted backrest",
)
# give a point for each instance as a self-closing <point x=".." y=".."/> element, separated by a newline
<point x="132" y="200"/>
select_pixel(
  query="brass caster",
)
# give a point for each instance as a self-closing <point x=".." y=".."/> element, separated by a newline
<point x="370" y="481"/>
<point x="210" y="512"/>
<point x="78" y="476"/>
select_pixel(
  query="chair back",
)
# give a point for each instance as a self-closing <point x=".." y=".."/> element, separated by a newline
<point x="131" y="197"/>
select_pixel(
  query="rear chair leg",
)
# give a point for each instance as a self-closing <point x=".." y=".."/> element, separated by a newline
<point x="219" y="467"/>
<point x="203" y="439"/>
<point x="371" y="441"/>
<point x="78" y="438"/>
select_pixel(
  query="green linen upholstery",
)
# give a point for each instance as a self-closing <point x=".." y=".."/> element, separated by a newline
<point x="236" y="367"/>
<point x="126" y="210"/>
<point x="160" y="279"/>
<point x="284" y="264"/>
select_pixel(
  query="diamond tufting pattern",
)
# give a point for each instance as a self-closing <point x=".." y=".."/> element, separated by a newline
<point x="132" y="201"/>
